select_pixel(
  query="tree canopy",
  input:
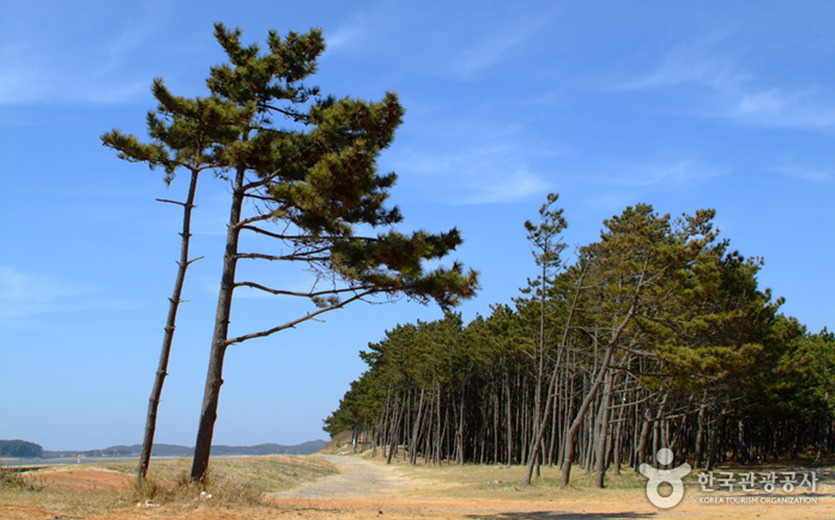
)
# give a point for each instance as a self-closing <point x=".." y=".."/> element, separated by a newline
<point x="302" y="173"/>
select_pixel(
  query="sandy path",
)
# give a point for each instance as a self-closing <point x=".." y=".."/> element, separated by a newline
<point x="367" y="490"/>
<point x="356" y="478"/>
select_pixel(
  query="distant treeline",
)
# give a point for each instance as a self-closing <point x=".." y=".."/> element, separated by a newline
<point x="657" y="335"/>
<point x="23" y="449"/>
<point x="20" y="449"/>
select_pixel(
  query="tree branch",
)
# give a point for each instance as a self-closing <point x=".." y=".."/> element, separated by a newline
<point x="634" y="403"/>
<point x="260" y="182"/>
<point x="259" y="197"/>
<point x="263" y="181"/>
<point x="257" y="218"/>
<point x="183" y="204"/>
<point x="292" y="324"/>
<point x="306" y="238"/>
<point x="280" y="292"/>
<point x="194" y="260"/>
<point x="296" y="116"/>
<point x="294" y="257"/>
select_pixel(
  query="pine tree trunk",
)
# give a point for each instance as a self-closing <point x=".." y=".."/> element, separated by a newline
<point x="554" y="429"/>
<point x="578" y="420"/>
<point x="459" y="434"/>
<point x="713" y="441"/>
<point x="416" y="429"/>
<point x="643" y="439"/>
<point x="496" y="426"/>
<point x="214" y="379"/>
<point x="537" y="442"/>
<point x="700" y="433"/>
<point x="394" y="439"/>
<point x="168" y="337"/>
<point x="601" y="454"/>
<point x="509" y="416"/>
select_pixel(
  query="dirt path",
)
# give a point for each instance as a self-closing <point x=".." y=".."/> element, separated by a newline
<point x="356" y="478"/>
<point x="367" y="490"/>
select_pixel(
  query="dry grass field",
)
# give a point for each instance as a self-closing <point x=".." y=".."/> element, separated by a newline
<point x="320" y="487"/>
<point x="89" y="490"/>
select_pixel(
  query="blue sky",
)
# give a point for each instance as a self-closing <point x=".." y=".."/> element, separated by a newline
<point x="683" y="105"/>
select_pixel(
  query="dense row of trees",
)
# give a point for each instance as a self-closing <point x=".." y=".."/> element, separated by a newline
<point x="657" y="335"/>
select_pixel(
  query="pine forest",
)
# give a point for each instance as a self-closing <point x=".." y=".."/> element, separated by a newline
<point x="657" y="335"/>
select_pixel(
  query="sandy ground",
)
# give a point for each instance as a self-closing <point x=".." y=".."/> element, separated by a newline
<point x="364" y="490"/>
<point x="82" y="480"/>
<point x="356" y="478"/>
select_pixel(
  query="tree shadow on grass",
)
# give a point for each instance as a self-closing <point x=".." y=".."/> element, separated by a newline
<point x="556" y="515"/>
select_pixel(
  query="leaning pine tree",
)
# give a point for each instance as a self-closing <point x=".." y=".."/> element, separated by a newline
<point x="183" y="138"/>
<point x="307" y="187"/>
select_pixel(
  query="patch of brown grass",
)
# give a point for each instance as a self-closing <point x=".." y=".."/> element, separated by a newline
<point x="231" y="481"/>
<point x="26" y="496"/>
<point x="239" y="480"/>
<point x="11" y="479"/>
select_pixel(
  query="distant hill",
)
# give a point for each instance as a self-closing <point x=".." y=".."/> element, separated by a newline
<point x="20" y="449"/>
<point x="23" y="449"/>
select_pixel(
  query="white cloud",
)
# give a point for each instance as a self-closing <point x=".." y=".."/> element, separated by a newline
<point x="610" y="203"/>
<point x="806" y="108"/>
<point x="342" y="37"/>
<point x="670" y="174"/>
<point x="45" y="61"/>
<point x="366" y="26"/>
<point x="498" y="41"/>
<point x="615" y="185"/>
<point x="24" y="294"/>
<point x="735" y="93"/>
<point x="480" y="174"/>
<point x="519" y="185"/>
<point x="697" y="63"/>
<point x="804" y="173"/>
<point x="493" y="49"/>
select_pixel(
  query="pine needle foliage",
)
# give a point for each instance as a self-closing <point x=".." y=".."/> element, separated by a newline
<point x="302" y="169"/>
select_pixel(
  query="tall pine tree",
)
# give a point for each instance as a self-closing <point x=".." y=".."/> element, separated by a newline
<point x="310" y="185"/>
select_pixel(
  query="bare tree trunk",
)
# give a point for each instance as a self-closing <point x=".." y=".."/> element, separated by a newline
<point x="700" y="433"/>
<point x="617" y="441"/>
<point x="604" y="366"/>
<point x="581" y="414"/>
<point x="538" y="421"/>
<point x="535" y="458"/>
<point x="214" y="379"/>
<point x="168" y="337"/>
<point x="554" y="428"/>
<point x="496" y="426"/>
<point x="459" y="434"/>
<point x="552" y="384"/>
<point x="509" y="421"/>
<point x="416" y="430"/>
<point x="713" y="441"/>
<point x="602" y="429"/>
<point x="569" y="410"/>
<point x="641" y="449"/>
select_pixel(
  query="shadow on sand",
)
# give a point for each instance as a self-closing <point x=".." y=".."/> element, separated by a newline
<point x="556" y="515"/>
